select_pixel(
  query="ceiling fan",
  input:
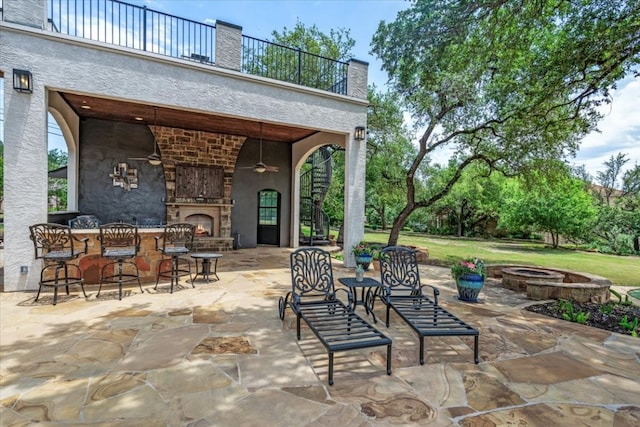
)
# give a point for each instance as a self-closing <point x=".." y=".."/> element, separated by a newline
<point x="261" y="167"/>
<point x="153" y="158"/>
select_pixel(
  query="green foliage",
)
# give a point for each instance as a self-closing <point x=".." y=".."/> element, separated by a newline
<point x="57" y="186"/>
<point x="280" y="63"/>
<point x="364" y="248"/>
<point x="568" y="312"/>
<point x="617" y="294"/>
<point x="606" y="308"/>
<point x="557" y="204"/>
<point x="616" y="228"/>
<point x="389" y="153"/>
<point x="337" y="45"/>
<point x="503" y="83"/>
<point x="631" y="326"/>
<point x="445" y="251"/>
<point x="473" y="204"/>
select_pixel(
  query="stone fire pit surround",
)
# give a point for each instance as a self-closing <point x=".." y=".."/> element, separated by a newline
<point x="574" y="286"/>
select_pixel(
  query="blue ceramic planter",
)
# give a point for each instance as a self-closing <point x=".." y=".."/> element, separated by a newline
<point x="364" y="260"/>
<point x="469" y="287"/>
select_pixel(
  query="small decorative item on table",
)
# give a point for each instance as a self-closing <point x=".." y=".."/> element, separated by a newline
<point x="469" y="275"/>
<point x="359" y="273"/>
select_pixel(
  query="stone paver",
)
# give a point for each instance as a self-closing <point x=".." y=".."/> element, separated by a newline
<point x="218" y="355"/>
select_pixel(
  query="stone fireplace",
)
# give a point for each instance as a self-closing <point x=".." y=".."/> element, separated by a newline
<point x="198" y="169"/>
<point x="212" y="221"/>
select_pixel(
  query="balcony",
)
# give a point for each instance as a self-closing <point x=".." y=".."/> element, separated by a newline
<point x="221" y="45"/>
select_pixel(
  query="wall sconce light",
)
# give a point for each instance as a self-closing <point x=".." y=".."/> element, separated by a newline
<point x="22" y="81"/>
<point x="360" y="133"/>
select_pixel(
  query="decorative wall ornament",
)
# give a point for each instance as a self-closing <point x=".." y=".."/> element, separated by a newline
<point x="124" y="176"/>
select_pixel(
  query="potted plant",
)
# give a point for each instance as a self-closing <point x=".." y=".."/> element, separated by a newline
<point x="469" y="275"/>
<point x="363" y="253"/>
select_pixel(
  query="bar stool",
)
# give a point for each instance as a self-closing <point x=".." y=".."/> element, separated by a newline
<point x="56" y="246"/>
<point x="82" y="222"/>
<point x="175" y="242"/>
<point x="119" y="242"/>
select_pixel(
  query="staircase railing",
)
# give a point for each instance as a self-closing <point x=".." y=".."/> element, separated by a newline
<point x="314" y="184"/>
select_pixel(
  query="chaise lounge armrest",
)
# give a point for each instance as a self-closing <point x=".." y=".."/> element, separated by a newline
<point x="388" y="293"/>
<point x="298" y="302"/>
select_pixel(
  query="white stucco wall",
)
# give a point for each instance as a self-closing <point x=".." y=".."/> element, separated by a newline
<point x="355" y="158"/>
<point x="80" y="66"/>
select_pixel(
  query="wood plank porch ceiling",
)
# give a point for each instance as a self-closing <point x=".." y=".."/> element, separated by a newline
<point x="123" y="111"/>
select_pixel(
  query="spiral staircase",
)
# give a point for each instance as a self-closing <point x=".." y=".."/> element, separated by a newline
<point x="314" y="184"/>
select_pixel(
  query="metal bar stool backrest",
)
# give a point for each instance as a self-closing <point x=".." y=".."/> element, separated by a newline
<point x="399" y="270"/>
<point x="84" y="222"/>
<point x="118" y="238"/>
<point x="177" y="238"/>
<point x="54" y="242"/>
<point x="56" y="246"/>
<point x="311" y="273"/>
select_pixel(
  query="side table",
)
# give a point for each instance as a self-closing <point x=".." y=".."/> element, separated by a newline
<point x="206" y="270"/>
<point x="367" y="282"/>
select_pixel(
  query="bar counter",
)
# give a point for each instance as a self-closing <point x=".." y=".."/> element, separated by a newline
<point x="147" y="260"/>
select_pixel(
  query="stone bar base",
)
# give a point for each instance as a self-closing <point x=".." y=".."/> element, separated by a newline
<point x="147" y="259"/>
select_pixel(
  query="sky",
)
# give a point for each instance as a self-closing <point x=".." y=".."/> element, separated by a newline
<point x="620" y="129"/>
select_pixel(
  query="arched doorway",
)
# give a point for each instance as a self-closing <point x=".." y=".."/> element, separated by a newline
<point x="268" y="218"/>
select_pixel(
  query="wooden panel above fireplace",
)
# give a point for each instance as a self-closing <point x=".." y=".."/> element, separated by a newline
<point x="199" y="181"/>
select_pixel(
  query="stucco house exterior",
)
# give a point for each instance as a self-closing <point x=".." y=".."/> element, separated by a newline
<point x="205" y="113"/>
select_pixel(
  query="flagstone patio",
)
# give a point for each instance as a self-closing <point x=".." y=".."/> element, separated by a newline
<point x="218" y="355"/>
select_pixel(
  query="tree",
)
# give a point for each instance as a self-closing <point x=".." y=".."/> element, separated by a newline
<point x="617" y="226"/>
<point x="609" y="179"/>
<point x="504" y="82"/>
<point x="561" y="206"/>
<point x="474" y="200"/>
<point x="57" y="191"/>
<point x="287" y="61"/>
<point x="389" y="153"/>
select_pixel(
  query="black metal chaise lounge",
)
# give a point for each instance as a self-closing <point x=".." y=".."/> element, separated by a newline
<point x="403" y="292"/>
<point x="313" y="299"/>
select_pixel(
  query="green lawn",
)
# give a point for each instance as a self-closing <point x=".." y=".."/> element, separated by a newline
<point x="620" y="270"/>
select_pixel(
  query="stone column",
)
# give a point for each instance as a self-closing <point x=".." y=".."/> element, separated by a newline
<point x="357" y="78"/>
<point x="228" y="46"/>
<point x="32" y="13"/>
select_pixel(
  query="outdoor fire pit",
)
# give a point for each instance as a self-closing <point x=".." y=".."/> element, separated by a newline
<point x="516" y="278"/>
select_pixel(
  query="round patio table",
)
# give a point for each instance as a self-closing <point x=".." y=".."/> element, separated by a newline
<point x="206" y="270"/>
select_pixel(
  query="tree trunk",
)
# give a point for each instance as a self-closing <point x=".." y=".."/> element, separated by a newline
<point x="398" y="224"/>
<point x="461" y="220"/>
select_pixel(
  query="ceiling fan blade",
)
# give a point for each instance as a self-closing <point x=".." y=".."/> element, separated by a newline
<point x="272" y="169"/>
<point x="138" y="158"/>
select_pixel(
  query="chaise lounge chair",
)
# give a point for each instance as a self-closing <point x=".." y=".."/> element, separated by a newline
<point x="313" y="299"/>
<point x="403" y="292"/>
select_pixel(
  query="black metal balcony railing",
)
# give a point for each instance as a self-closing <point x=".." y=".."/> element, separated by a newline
<point x="135" y="27"/>
<point x="141" y="28"/>
<point x="267" y="59"/>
